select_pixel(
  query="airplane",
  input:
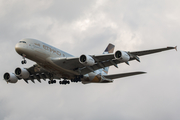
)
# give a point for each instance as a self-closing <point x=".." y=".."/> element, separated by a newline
<point x="54" y="64"/>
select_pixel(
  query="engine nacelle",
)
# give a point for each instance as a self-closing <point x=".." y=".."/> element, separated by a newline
<point x="122" y="56"/>
<point x="10" y="77"/>
<point x="22" y="73"/>
<point x="86" y="60"/>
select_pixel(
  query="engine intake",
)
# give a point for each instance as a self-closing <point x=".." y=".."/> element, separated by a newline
<point x="86" y="60"/>
<point x="10" y="77"/>
<point x="122" y="56"/>
<point x="22" y="73"/>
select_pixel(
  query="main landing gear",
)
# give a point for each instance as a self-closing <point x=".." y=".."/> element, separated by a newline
<point x="52" y="81"/>
<point x="24" y="61"/>
<point x="77" y="79"/>
<point x="64" y="82"/>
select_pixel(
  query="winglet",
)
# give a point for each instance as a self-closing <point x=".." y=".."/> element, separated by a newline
<point x="175" y="48"/>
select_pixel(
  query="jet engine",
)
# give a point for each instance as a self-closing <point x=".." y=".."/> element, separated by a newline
<point x="22" y="73"/>
<point x="10" y="77"/>
<point x="122" y="56"/>
<point x="86" y="60"/>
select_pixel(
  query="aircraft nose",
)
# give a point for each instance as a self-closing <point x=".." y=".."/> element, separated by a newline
<point x="18" y="48"/>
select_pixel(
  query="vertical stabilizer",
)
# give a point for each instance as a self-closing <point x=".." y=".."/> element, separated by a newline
<point x="109" y="49"/>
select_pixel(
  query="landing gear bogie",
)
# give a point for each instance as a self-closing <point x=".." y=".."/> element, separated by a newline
<point x="64" y="82"/>
<point x="49" y="82"/>
<point x="75" y="80"/>
<point x="52" y="81"/>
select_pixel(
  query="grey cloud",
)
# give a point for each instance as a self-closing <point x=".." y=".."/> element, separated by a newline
<point x="101" y="38"/>
<point x="69" y="10"/>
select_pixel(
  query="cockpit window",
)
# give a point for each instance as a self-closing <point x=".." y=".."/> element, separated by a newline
<point x="22" y="42"/>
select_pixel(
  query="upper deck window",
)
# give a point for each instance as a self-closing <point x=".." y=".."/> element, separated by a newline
<point x="22" y="42"/>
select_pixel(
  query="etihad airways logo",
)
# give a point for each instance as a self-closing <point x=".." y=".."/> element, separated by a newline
<point x="51" y="50"/>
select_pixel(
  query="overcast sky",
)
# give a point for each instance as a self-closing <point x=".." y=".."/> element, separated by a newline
<point x="87" y="27"/>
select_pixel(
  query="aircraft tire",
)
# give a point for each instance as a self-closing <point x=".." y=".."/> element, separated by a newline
<point x="49" y="82"/>
<point x="25" y="61"/>
<point x="54" y="81"/>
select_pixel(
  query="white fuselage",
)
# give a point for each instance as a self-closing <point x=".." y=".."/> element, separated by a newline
<point x="41" y="53"/>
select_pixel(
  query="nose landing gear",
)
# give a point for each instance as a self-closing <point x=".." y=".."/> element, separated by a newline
<point x="24" y="61"/>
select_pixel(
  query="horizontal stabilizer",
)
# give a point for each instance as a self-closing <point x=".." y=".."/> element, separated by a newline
<point x="115" y="76"/>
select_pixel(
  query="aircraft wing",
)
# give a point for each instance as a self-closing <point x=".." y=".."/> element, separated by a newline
<point x="37" y="73"/>
<point x="115" y="76"/>
<point x="73" y="63"/>
<point x="102" y="61"/>
<point x="147" y="52"/>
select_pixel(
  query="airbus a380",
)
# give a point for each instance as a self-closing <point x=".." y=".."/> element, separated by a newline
<point x="55" y="64"/>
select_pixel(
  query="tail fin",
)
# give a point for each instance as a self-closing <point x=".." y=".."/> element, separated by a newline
<point x="109" y="49"/>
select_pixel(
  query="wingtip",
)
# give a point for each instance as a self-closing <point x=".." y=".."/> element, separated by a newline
<point x="142" y="72"/>
<point x="175" y="48"/>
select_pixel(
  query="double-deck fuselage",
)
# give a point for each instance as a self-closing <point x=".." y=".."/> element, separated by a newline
<point x="38" y="51"/>
<point x="41" y="53"/>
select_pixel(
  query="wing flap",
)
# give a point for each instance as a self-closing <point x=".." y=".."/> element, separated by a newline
<point x="115" y="76"/>
<point x="107" y="63"/>
<point x="103" y="57"/>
